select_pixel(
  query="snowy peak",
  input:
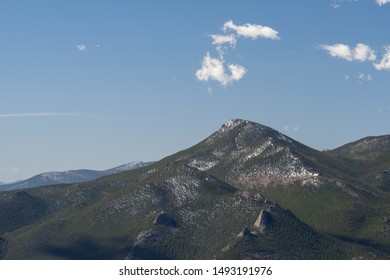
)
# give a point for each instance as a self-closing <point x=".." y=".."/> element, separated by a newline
<point x="248" y="133"/>
<point x="232" y="124"/>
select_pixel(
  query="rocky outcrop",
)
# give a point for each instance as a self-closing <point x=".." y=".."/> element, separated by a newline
<point x="246" y="232"/>
<point x="262" y="221"/>
<point x="165" y="219"/>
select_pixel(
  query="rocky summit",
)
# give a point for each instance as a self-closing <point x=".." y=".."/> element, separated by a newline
<point x="245" y="192"/>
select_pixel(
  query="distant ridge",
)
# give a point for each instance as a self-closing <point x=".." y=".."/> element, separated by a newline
<point x="69" y="177"/>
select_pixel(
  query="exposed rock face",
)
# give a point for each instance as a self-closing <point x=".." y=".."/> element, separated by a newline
<point x="262" y="221"/>
<point x="245" y="232"/>
<point x="165" y="220"/>
<point x="146" y="237"/>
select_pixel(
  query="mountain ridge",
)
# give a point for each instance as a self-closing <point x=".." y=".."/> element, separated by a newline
<point x="68" y="177"/>
<point x="245" y="192"/>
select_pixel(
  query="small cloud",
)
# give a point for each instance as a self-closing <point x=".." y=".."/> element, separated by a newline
<point x="366" y="77"/>
<point x="379" y="109"/>
<point x="337" y="3"/>
<point x="252" y="31"/>
<point x="382" y="2"/>
<point x="359" y="77"/>
<point x="81" y="47"/>
<point x="224" y="39"/>
<point x="384" y="64"/>
<point x="210" y="90"/>
<point x="221" y="40"/>
<point x="294" y="129"/>
<point x="214" y="69"/>
<point x="34" y="115"/>
<point x="360" y="53"/>
<point x="363" y="52"/>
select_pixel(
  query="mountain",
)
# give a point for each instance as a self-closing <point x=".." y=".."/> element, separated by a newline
<point x="246" y="192"/>
<point x="70" y="176"/>
<point x="368" y="159"/>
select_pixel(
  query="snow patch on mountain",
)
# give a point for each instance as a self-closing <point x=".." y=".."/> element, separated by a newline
<point x="232" y="124"/>
<point x="202" y="165"/>
<point x="259" y="150"/>
<point x="183" y="189"/>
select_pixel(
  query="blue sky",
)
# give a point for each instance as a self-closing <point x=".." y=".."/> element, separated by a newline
<point x="95" y="84"/>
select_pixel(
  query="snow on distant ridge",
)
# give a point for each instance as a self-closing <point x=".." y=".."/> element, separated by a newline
<point x="70" y="176"/>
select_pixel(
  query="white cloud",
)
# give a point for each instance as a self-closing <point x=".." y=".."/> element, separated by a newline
<point x="81" y="47"/>
<point x="363" y="52"/>
<point x="214" y="69"/>
<point x="360" y="53"/>
<point x="338" y="50"/>
<point x="382" y="2"/>
<point x="221" y="40"/>
<point x="337" y="3"/>
<point x="224" y="39"/>
<point x="252" y="31"/>
<point x="33" y="115"/>
<point x="384" y="64"/>
<point x="362" y="76"/>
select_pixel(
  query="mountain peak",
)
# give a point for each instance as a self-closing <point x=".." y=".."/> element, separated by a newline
<point x="233" y="123"/>
<point x="250" y="132"/>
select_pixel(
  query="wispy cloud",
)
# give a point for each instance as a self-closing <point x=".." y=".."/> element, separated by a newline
<point x="293" y="129"/>
<point x="337" y="3"/>
<point x="360" y="53"/>
<point x="223" y="42"/>
<point x="36" y="115"/>
<point x="10" y="170"/>
<point x="252" y="31"/>
<point x="384" y="64"/>
<point x="214" y="69"/>
<point x="224" y="39"/>
<point x="365" y="77"/>
<point x="81" y="47"/>
<point x="382" y="2"/>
